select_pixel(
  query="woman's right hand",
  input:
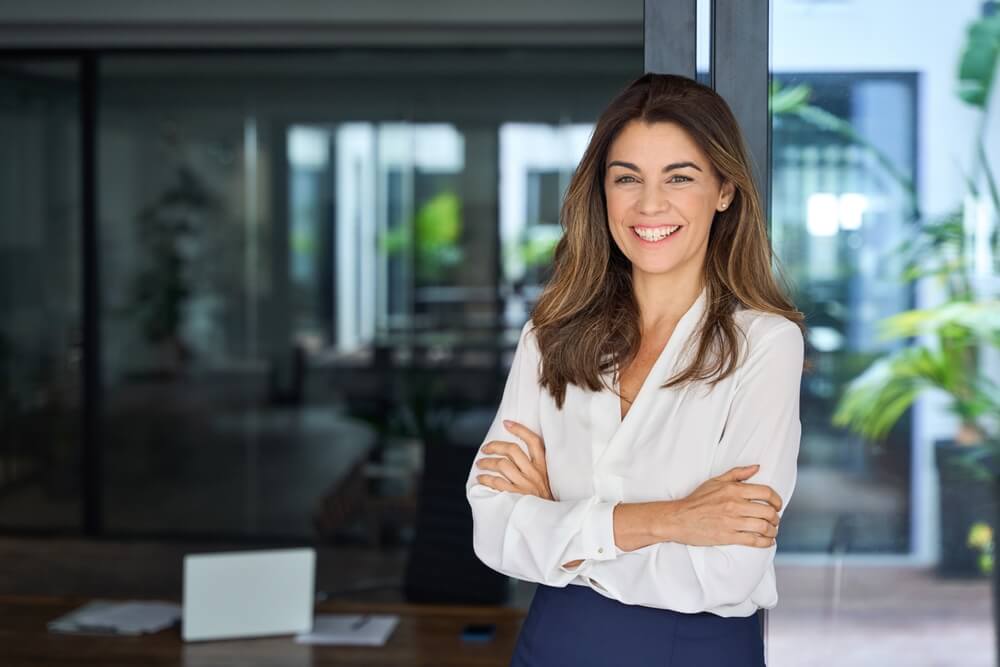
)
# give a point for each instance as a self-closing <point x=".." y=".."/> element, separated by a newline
<point x="723" y="510"/>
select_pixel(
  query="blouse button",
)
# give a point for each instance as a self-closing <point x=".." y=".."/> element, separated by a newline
<point x="600" y="550"/>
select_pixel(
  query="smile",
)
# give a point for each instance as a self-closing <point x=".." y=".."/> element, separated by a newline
<point x="656" y="235"/>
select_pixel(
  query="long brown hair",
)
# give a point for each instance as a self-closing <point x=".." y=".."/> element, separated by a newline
<point x="587" y="319"/>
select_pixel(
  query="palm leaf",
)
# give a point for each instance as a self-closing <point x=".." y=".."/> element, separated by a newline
<point x="959" y="320"/>
<point x="874" y="401"/>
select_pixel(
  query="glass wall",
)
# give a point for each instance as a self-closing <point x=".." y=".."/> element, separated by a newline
<point x="307" y="279"/>
<point x="844" y="157"/>
<point x="40" y="294"/>
<point x="536" y="164"/>
<point x="885" y="215"/>
<point x="314" y="266"/>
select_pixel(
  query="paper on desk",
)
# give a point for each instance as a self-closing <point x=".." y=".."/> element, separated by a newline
<point x="118" y="618"/>
<point x="350" y="629"/>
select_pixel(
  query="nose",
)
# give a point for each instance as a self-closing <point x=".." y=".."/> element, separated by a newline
<point x="651" y="200"/>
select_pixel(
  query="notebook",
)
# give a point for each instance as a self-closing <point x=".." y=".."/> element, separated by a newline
<point x="350" y="629"/>
<point x="248" y="594"/>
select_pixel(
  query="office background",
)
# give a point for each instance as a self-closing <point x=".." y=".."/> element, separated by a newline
<point x="262" y="267"/>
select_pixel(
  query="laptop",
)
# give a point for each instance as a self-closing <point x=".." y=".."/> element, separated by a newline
<point x="248" y="594"/>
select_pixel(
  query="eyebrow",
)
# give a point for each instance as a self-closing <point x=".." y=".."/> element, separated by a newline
<point x="669" y="167"/>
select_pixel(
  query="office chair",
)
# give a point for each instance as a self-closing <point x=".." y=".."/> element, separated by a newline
<point x="442" y="567"/>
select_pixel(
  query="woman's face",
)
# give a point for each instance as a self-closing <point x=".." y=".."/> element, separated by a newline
<point x="662" y="194"/>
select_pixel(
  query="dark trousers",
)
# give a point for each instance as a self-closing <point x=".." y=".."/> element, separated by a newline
<point x="578" y="627"/>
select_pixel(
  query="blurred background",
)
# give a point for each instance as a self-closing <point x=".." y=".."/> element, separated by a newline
<point x="263" y="265"/>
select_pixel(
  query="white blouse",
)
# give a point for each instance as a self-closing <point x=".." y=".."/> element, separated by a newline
<point x="670" y="441"/>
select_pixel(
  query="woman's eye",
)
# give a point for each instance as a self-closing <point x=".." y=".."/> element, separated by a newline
<point x="630" y="179"/>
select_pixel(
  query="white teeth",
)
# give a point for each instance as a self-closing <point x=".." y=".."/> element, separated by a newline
<point x="655" y="234"/>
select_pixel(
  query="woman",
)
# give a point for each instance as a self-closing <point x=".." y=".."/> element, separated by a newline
<point x="646" y="443"/>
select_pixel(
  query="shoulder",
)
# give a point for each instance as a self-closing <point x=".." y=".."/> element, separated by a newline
<point x="527" y="331"/>
<point x="527" y="340"/>
<point x="770" y="333"/>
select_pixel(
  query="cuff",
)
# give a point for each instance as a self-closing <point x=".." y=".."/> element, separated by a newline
<point x="597" y="538"/>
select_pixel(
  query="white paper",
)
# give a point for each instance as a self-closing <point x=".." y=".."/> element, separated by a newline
<point x="350" y="629"/>
<point x="120" y="618"/>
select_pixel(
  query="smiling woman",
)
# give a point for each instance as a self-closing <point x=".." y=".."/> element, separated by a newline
<point x="648" y="205"/>
<point x="646" y="443"/>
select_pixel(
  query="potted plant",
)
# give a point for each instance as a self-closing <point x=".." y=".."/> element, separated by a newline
<point x="170" y="231"/>
<point x="953" y="335"/>
<point x="946" y="348"/>
<point x="946" y="359"/>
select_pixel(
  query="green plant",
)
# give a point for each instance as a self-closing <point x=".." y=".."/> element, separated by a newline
<point x="537" y="251"/>
<point x="168" y="230"/>
<point x="875" y="400"/>
<point x="953" y="335"/>
<point x="435" y="232"/>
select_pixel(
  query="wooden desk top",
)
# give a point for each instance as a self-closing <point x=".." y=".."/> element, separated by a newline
<point x="427" y="636"/>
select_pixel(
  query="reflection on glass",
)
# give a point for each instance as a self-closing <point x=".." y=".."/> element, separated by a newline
<point x="184" y="267"/>
<point x="837" y="215"/>
<point x="885" y="213"/>
<point x="40" y="329"/>
<point x="302" y="285"/>
<point x="207" y="285"/>
<point x="397" y="252"/>
<point x="536" y="164"/>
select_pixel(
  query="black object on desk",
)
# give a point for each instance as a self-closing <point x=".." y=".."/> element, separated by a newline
<point x="478" y="632"/>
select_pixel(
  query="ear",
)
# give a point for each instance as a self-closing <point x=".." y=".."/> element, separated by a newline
<point x="726" y="194"/>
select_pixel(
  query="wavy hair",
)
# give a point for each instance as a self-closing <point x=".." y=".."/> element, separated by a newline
<point x="586" y="320"/>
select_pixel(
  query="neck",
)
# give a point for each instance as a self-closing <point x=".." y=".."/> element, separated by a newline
<point x="664" y="297"/>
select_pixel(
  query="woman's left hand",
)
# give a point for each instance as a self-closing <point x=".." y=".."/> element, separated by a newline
<point x="521" y="474"/>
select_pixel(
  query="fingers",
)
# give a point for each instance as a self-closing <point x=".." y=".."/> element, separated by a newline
<point x="506" y="467"/>
<point x="498" y="483"/>
<point x="523" y="472"/>
<point x="510" y="450"/>
<point x="759" y="526"/>
<point x="749" y="490"/>
<point x="742" y="472"/>
<point x="513" y="463"/>
<point x="755" y="540"/>
<point x="760" y="511"/>
<point x="762" y="492"/>
<point x="536" y="447"/>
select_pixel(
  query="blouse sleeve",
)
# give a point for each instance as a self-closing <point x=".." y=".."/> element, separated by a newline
<point x="762" y="427"/>
<point x="521" y="535"/>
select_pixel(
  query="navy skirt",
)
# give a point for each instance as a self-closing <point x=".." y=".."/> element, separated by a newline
<point x="578" y="626"/>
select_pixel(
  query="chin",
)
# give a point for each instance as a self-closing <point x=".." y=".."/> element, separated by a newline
<point x="655" y="268"/>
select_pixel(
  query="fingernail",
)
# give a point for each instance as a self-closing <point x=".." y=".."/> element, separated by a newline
<point x="506" y="422"/>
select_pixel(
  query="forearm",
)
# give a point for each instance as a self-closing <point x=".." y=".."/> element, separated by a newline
<point x="640" y="524"/>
